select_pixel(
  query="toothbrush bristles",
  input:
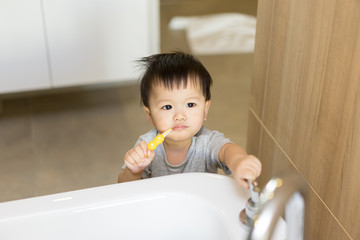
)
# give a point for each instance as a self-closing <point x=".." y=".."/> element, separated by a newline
<point x="167" y="132"/>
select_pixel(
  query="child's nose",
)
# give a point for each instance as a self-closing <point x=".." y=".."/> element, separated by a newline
<point x="179" y="116"/>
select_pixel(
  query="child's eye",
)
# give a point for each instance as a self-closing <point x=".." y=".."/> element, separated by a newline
<point x="190" y="105"/>
<point x="167" y="107"/>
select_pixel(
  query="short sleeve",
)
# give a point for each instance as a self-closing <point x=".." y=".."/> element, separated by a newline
<point x="214" y="141"/>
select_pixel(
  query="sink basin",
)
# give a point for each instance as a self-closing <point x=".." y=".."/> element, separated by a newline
<point x="184" y="206"/>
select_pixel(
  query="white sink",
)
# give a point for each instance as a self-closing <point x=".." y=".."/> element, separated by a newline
<point x="184" y="206"/>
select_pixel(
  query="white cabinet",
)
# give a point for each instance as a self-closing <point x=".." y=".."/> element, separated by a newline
<point x="23" y="57"/>
<point x="98" y="40"/>
<point x="59" y="43"/>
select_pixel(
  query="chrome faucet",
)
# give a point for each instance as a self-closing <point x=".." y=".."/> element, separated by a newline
<point x="248" y="214"/>
<point x="286" y="193"/>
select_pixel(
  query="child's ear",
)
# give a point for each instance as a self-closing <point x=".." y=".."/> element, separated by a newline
<point x="148" y="115"/>
<point x="207" y="106"/>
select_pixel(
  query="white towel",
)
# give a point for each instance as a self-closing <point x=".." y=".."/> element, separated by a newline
<point x="225" y="33"/>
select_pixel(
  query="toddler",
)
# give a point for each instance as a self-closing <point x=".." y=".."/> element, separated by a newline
<point x="175" y="93"/>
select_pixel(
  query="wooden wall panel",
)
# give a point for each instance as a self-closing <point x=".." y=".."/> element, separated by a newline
<point x="307" y="74"/>
<point x="319" y="218"/>
<point x="275" y="59"/>
<point x="312" y="82"/>
<point x="253" y="139"/>
<point x="321" y="224"/>
<point x="263" y="29"/>
<point x="347" y="203"/>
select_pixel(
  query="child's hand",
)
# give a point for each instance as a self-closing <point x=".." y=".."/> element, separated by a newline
<point x="138" y="158"/>
<point x="249" y="167"/>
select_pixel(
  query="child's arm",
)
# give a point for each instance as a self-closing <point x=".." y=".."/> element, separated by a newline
<point x="136" y="160"/>
<point x="242" y="165"/>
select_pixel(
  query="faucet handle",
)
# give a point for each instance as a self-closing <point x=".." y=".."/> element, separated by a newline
<point x="251" y="207"/>
<point x="254" y="191"/>
<point x="251" y="184"/>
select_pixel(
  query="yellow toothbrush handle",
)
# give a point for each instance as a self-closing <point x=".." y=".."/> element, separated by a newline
<point x="155" y="142"/>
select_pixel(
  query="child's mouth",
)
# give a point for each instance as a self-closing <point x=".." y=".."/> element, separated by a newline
<point x="179" y="127"/>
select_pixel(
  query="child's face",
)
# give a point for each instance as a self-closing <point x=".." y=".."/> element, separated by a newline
<point x="184" y="110"/>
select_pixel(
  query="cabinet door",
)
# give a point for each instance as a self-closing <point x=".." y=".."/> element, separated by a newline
<point x="23" y="58"/>
<point x="96" y="41"/>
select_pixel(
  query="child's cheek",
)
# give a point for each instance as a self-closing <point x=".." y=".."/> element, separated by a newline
<point x="161" y="123"/>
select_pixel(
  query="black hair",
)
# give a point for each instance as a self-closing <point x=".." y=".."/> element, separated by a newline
<point x="173" y="69"/>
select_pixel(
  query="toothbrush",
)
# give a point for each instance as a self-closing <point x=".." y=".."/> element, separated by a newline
<point x="158" y="140"/>
<point x="155" y="142"/>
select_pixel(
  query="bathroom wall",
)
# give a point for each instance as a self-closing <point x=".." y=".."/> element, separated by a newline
<point x="305" y="106"/>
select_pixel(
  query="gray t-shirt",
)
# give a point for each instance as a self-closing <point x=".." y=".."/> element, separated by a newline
<point x="202" y="155"/>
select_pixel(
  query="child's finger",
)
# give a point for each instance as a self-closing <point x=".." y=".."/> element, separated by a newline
<point x="128" y="158"/>
<point x="139" y="152"/>
<point x="254" y="161"/>
<point x="253" y="170"/>
<point x="247" y="172"/>
<point x="143" y="146"/>
<point x="134" y="155"/>
<point x="146" y="162"/>
<point x="129" y="164"/>
<point x="243" y="182"/>
<point x="253" y="164"/>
